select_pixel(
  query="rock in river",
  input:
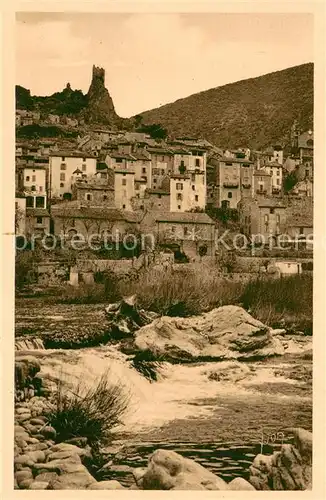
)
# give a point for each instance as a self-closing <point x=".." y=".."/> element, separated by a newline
<point x="228" y="332"/>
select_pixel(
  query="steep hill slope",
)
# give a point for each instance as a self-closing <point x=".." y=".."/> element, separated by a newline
<point x="255" y="112"/>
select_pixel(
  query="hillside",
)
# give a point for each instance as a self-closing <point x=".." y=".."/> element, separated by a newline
<point x="255" y="112"/>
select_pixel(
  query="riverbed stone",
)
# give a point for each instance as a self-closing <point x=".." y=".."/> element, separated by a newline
<point x="24" y="485"/>
<point x="138" y="474"/>
<point x="48" y="432"/>
<point x="39" y="485"/>
<point x="240" y="484"/>
<point x="106" y="485"/>
<point x="168" y="470"/>
<point x="23" y="474"/>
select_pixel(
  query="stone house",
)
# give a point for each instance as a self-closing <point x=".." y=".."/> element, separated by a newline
<point x="37" y="221"/>
<point x="93" y="193"/>
<point x="262" y="184"/>
<point x="187" y="191"/>
<point x="304" y="188"/>
<point x="276" y="172"/>
<point x="63" y="166"/>
<point x="191" y="233"/>
<point x="71" y="218"/>
<point x="124" y="188"/>
<point x="265" y="217"/>
<point x="233" y="181"/>
<point x="162" y="160"/>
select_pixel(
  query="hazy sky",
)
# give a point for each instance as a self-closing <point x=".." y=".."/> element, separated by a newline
<point x="153" y="59"/>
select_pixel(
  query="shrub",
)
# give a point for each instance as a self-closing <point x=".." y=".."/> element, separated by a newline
<point x="83" y="294"/>
<point x="182" y="293"/>
<point x="25" y="269"/>
<point x="92" y="413"/>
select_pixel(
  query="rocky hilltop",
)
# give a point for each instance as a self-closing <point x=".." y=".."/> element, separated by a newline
<point x="94" y="107"/>
<point x="100" y="107"/>
<point x="255" y="112"/>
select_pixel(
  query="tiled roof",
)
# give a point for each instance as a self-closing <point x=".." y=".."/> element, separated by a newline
<point x="157" y="191"/>
<point x="160" y="151"/>
<point x="271" y="203"/>
<point x="185" y="217"/>
<point x="235" y="160"/>
<point x="72" y="154"/>
<point x="106" y="213"/>
<point x="122" y="156"/>
<point x="262" y="173"/>
<point x="37" y="212"/>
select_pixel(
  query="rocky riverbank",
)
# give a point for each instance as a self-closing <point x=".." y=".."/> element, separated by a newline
<point x="41" y="462"/>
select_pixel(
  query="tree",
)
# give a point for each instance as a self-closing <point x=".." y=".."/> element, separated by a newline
<point x="19" y="217"/>
<point x="156" y="131"/>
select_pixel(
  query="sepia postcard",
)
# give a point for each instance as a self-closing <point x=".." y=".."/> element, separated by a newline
<point x="163" y="249"/>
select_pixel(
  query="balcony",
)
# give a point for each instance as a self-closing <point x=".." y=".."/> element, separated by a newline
<point x="259" y="191"/>
<point x="230" y="184"/>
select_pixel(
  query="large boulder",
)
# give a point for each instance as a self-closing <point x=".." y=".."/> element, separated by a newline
<point x="168" y="470"/>
<point x="287" y="469"/>
<point x="26" y="367"/>
<point x="228" y="332"/>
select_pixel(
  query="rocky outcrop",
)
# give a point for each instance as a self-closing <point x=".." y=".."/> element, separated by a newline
<point x="228" y="332"/>
<point x="287" y="469"/>
<point x="125" y="318"/>
<point x="100" y="107"/>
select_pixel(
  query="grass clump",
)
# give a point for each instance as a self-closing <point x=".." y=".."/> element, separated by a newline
<point x="89" y="412"/>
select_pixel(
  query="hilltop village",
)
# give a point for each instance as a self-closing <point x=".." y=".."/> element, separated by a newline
<point x="183" y="190"/>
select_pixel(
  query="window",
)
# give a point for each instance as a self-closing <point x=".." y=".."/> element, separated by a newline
<point x="278" y="172"/>
<point x="154" y="180"/>
<point x="39" y="220"/>
<point x="307" y="173"/>
<point x="185" y="231"/>
<point x="123" y="206"/>
<point x="63" y="158"/>
<point x="40" y="189"/>
<point x="197" y="162"/>
<point x="271" y="210"/>
<point x="33" y="188"/>
<point x="278" y="218"/>
<point x="33" y="178"/>
<point x="229" y="195"/>
<point x="301" y="230"/>
<point x="61" y="184"/>
<point x="193" y="188"/>
<point x="182" y="163"/>
<point x="27" y="178"/>
<point x="179" y="196"/>
<point x="196" y="197"/>
<point x="84" y="159"/>
<point x="137" y="187"/>
<point x="261" y="187"/>
<point x="88" y="197"/>
<point x="63" y="166"/>
<point x="84" y="167"/>
<point x="40" y="202"/>
<point x="62" y="177"/>
<point x="16" y="204"/>
<point x="162" y="171"/>
<point x="228" y="164"/>
<point x="124" y="182"/>
<point x="143" y="170"/>
<point x="141" y="207"/>
<point x="160" y="196"/>
<point x="118" y="160"/>
<point x="156" y="171"/>
<point x="278" y="182"/>
<point x="30" y="202"/>
<point x="179" y="207"/>
<point x="173" y="228"/>
<point x="163" y="158"/>
<point x="179" y="186"/>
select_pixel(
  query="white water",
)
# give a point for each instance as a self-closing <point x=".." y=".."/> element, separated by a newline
<point x="153" y="404"/>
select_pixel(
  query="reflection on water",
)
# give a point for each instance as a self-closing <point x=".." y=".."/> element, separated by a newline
<point x="227" y="461"/>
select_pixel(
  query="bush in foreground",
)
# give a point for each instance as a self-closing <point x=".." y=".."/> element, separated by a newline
<point x="90" y="413"/>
